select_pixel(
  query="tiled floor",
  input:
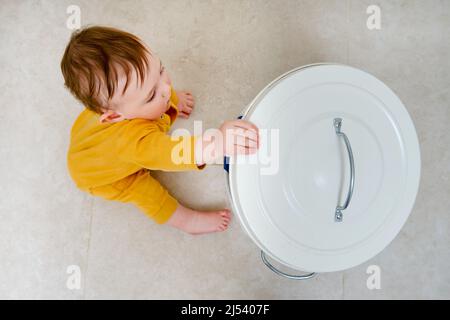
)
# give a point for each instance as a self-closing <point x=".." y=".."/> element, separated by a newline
<point x="225" y="52"/>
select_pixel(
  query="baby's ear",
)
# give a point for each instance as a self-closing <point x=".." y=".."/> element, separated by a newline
<point x="111" y="116"/>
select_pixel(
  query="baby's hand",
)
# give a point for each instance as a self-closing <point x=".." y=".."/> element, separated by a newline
<point x="240" y="137"/>
<point x="234" y="137"/>
<point x="185" y="103"/>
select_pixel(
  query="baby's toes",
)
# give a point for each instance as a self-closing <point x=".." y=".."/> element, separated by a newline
<point x="226" y="217"/>
<point x="226" y="213"/>
<point x="223" y="227"/>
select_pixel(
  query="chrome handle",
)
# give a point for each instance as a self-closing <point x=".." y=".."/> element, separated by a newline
<point x="283" y="274"/>
<point x="338" y="213"/>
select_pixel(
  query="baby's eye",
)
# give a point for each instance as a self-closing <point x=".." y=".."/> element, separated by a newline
<point x="161" y="72"/>
<point x="151" y="98"/>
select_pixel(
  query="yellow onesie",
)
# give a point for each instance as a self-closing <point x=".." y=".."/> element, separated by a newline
<point x="112" y="160"/>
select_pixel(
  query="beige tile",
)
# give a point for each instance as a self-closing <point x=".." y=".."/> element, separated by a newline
<point x="133" y="258"/>
<point x="225" y="52"/>
<point x="410" y="54"/>
<point x="45" y="219"/>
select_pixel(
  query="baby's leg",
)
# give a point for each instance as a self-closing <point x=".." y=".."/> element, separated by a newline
<point x="199" y="222"/>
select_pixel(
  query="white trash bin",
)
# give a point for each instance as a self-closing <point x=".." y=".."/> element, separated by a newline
<point x="348" y="170"/>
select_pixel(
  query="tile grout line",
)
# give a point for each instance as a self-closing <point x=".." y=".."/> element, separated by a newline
<point x="91" y="209"/>
<point x="348" y="31"/>
<point x="343" y="285"/>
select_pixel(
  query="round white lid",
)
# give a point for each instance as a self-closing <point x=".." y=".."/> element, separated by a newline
<point x="286" y="195"/>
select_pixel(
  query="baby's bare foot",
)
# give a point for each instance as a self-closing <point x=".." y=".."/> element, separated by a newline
<point x="207" y="222"/>
<point x="200" y="222"/>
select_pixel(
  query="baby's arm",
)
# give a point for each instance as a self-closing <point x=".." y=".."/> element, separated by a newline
<point x="147" y="146"/>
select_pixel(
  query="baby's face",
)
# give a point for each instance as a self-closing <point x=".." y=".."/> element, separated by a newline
<point x="148" y="99"/>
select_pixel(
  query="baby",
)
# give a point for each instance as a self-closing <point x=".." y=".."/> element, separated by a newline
<point x="122" y="133"/>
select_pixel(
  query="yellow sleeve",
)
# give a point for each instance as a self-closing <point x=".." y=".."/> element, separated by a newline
<point x="147" y="146"/>
<point x="173" y="96"/>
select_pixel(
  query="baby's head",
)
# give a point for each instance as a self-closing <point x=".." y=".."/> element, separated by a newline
<point x="115" y="75"/>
